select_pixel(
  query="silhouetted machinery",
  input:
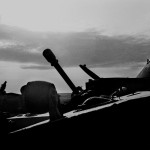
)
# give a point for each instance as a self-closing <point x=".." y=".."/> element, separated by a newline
<point x="39" y="96"/>
<point x="76" y="91"/>
<point x="101" y="86"/>
<point x="119" y="86"/>
<point x="78" y="94"/>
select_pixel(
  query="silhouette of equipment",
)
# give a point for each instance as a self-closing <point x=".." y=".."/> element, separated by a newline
<point x="37" y="94"/>
<point x="3" y="86"/>
<point x="89" y="72"/>
<point x="50" y="57"/>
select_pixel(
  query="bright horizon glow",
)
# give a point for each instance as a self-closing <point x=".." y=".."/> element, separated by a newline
<point x="18" y="77"/>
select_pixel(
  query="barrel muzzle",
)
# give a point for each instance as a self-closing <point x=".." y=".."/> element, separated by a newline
<point x="50" y="57"/>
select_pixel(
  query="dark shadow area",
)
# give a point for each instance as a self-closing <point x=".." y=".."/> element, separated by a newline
<point x="124" y="123"/>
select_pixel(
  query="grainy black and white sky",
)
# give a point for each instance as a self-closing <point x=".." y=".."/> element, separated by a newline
<point x="111" y="36"/>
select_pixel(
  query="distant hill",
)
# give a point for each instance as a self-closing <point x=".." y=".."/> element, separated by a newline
<point x="64" y="97"/>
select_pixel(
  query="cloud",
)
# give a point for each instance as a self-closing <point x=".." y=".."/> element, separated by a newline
<point x="71" y="49"/>
<point x="38" y="67"/>
<point x="17" y="55"/>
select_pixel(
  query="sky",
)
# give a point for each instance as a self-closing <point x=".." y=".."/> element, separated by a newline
<point x="111" y="16"/>
<point x="110" y="36"/>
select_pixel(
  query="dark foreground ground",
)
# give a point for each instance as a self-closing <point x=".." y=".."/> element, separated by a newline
<point x="125" y="123"/>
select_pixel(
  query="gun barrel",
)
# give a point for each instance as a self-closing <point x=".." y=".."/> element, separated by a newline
<point x="50" y="57"/>
<point x="89" y="72"/>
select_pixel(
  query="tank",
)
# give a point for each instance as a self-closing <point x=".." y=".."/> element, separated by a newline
<point x="97" y="86"/>
<point x="78" y="95"/>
